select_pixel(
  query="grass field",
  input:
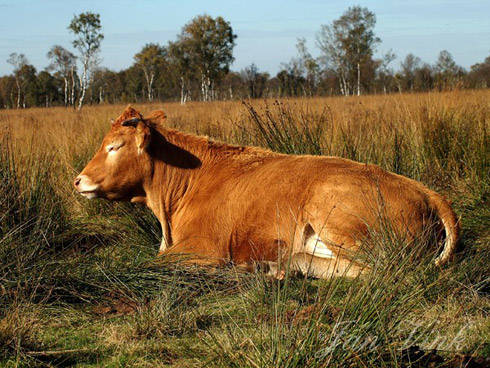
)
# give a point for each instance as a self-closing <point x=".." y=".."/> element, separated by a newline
<point x="79" y="283"/>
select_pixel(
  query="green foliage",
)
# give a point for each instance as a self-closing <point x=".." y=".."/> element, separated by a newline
<point x="207" y="45"/>
<point x="86" y="27"/>
<point x="348" y="43"/>
<point x="87" y="30"/>
<point x="151" y="59"/>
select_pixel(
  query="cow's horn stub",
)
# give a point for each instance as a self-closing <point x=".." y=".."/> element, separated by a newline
<point x="131" y="122"/>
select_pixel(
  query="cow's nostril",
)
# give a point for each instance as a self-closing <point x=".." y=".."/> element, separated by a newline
<point x="77" y="181"/>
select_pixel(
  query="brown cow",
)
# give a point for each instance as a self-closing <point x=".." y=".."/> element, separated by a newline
<point x="219" y="203"/>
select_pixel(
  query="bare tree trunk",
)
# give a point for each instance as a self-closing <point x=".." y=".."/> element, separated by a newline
<point x="18" y="92"/>
<point x="399" y="87"/>
<point x="203" y="88"/>
<point x="358" y="79"/>
<point x="83" y="84"/>
<point x="182" y="91"/>
<point x="66" y="90"/>
<point x="72" y="98"/>
<point x="345" y="85"/>
<point x="149" y="84"/>
<point x="82" y="93"/>
<point x="206" y="88"/>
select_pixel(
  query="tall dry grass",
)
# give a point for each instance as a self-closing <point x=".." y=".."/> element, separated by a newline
<point x="78" y="282"/>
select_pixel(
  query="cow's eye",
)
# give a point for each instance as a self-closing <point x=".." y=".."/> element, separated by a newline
<point x="114" y="147"/>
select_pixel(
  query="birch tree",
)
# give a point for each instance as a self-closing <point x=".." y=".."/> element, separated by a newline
<point x="408" y="68"/>
<point x="334" y="56"/>
<point x="63" y="62"/>
<point x="180" y="64"/>
<point x="347" y="44"/>
<point x="18" y="61"/>
<point x="448" y="73"/>
<point x="308" y="65"/>
<point x="385" y="73"/>
<point x="479" y="75"/>
<point x="207" y="43"/>
<point x="88" y="37"/>
<point x="151" y="60"/>
<point x="254" y="80"/>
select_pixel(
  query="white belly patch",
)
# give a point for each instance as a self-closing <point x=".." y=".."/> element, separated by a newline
<point x="316" y="247"/>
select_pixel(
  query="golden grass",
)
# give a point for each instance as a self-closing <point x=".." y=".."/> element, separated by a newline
<point x="363" y="128"/>
<point x="54" y="126"/>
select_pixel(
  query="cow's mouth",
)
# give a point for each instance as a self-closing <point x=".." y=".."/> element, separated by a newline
<point x="89" y="194"/>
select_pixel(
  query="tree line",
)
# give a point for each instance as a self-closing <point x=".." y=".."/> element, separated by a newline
<point x="196" y="66"/>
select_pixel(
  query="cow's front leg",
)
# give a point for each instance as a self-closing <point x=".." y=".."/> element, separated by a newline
<point x="163" y="246"/>
<point x="166" y="238"/>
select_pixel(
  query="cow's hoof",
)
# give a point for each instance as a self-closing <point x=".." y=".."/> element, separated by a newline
<point x="280" y="275"/>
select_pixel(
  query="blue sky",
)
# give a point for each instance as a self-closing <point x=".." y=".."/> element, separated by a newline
<point x="267" y="30"/>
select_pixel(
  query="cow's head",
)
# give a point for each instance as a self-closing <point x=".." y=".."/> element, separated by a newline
<point x="120" y="166"/>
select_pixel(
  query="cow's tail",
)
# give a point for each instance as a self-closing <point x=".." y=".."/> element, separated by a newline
<point x="451" y="226"/>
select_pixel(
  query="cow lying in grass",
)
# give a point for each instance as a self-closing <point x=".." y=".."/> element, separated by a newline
<point x="221" y="204"/>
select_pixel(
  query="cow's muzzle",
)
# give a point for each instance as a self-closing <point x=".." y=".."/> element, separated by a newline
<point x="85" y="186"/>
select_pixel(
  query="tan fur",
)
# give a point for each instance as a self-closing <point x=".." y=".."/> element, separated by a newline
<point x="219" y="203"/>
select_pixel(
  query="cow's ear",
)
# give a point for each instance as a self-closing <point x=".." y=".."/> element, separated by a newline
<point x="157" y="117"/>
<point x="143" y="134"/>
<point x="131" y="122"/>
<point x="127" y="115"/>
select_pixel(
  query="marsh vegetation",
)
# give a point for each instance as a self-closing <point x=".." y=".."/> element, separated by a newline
<point x="79" y="282"/>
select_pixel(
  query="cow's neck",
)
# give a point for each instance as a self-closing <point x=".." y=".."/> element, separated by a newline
<point x="178" y="161"/>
